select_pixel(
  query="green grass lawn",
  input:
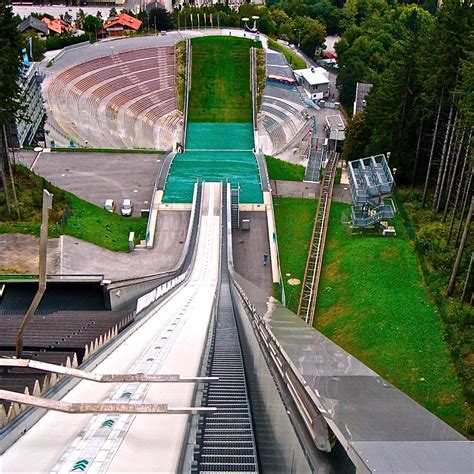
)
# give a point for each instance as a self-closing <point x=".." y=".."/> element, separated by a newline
<point x="105" y="229"/>
<point x="293" y="59"/>
<point x="294" y="221"/>
<point x="220" y="85"/>
<point x="372" y="301"/>
<point x="279" y="169"/>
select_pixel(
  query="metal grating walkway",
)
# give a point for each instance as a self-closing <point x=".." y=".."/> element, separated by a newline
<point x="226" y="439"/>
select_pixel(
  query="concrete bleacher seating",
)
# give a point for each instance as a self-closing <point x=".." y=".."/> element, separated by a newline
<point x="91" y="100"/>
<point x="275" y="131"/>
<point x="283" y="92"/>
<point x="283" y="108"/>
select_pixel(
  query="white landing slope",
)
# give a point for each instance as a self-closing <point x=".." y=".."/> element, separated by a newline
<point x="171" y="341"/>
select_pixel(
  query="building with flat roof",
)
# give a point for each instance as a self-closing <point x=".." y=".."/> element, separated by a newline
<point x="315" y="81"/>
<point x="335" y="128"/>
<point x="362" y="90"/>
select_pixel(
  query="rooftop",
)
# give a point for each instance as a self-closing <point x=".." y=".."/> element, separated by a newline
<point x="32" y="22"/>
<point x="362" y="89"/>
<point x="124" y="20"/>
<point x="313" y="75"/>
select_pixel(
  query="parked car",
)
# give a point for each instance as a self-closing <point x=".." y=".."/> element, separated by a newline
<point x="109" y="205"/>
<point x="127" y="208"/>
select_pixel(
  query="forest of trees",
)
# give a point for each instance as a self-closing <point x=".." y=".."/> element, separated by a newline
<point x="421" y="107"/>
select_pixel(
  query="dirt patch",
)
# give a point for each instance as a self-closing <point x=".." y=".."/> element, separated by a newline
<point x="20" y="254"/>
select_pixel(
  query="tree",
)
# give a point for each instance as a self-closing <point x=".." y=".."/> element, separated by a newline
<point x="10" y="102"/>
<point x="92" y="24"/>
<point x="394" y="111"/>
<point x="357" y="137"/>
<point x="160" y="19"/>
<point x="10" y="46"/>
<point x="67" y="18"/>
<point x="462" y="245"/>
<point x="80" y="18"/>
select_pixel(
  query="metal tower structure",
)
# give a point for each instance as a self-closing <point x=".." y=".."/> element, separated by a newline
<point x="371" y="182"/>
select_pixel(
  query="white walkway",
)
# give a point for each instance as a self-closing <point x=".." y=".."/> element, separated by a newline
<point x="171" y="341"/>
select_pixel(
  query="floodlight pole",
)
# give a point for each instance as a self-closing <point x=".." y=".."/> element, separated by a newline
<point x="43" y="253"/>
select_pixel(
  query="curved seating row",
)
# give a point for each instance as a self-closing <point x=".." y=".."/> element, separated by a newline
<point x="115" y="91"/>
<point x="275" y="131"/>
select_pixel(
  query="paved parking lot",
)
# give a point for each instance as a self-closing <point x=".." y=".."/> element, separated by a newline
<point x="96" y="177"/>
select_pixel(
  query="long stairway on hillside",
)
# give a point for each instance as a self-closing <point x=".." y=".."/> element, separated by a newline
<point x="309" y="292"/>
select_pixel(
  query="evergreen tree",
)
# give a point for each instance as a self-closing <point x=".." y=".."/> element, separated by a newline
<point x="394" y="110"/>
<point x="357" y="135"/>
<point x="10" y="47"/>
<point x="10" y="105"/>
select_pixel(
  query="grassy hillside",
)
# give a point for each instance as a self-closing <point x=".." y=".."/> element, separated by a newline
<point x="279" y="169"/>
<point x="294" y="221"/>
<point x="373" y="302"/>
<point x="293" y="59"/>
<point x="220" y="86"/>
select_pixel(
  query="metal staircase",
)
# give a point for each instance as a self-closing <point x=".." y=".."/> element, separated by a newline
<point x="370" y="182"/>
<point x="234" y="206"/>
<point x="317" y="154"/>
<point x="225" y="439"/>
<point x="309" y="293"/>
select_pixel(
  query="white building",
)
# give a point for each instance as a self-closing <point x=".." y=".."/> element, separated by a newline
<point x="315" y="81"/>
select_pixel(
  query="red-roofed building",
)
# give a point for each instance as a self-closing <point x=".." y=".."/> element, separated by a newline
<point x="121" y="24"/>
<point x="58" y="26"/>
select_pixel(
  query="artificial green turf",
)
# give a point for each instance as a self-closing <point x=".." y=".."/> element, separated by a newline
<point x="294" y="222"/>
<point x="279" y="169"/>
<point x="220" y="85"/>
<point x="373" y="303"/>
<point x="105" y="229"/>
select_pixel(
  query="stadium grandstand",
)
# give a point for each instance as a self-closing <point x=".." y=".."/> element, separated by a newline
<point x="284" y="112"/>
<point x="122" y="100"/>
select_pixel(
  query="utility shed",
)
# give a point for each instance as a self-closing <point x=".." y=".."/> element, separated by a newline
<point x="315" y="82"/>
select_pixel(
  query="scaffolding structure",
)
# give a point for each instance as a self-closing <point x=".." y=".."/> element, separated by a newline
<point x="370" y="182"/>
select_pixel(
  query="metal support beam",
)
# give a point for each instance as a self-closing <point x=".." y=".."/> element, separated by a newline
<point x="103" y="378"/>
<point x="111" y="408"/>
<point x="43" y="251"/>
